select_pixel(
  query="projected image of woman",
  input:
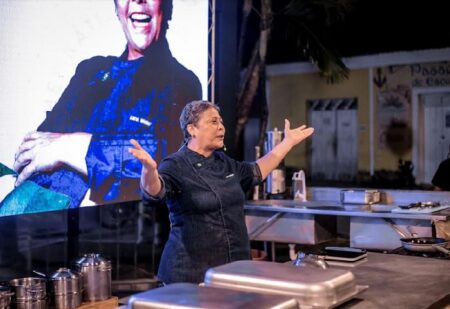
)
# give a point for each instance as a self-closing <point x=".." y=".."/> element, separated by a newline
<point x="82" y="143"/>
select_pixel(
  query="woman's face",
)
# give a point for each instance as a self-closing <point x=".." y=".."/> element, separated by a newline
<point x="209" y="131"/>
<point x="141" y="23"/>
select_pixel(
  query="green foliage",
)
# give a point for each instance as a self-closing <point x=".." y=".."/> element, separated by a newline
<point x="307" y="24"/>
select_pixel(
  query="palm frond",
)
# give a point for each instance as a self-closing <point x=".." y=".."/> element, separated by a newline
<point x="327" y="60"/>
<point x="307" y="24"/>
<point x="327" y="11"/>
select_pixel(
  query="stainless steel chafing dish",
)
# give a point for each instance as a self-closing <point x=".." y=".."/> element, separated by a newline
<point x="313" y="287"/>
<point x="188" y="295"/>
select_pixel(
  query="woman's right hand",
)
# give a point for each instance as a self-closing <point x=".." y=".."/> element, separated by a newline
<point x="47" y="151"/>
<point x="150" y="181"/>
<point x="142" y="155"/>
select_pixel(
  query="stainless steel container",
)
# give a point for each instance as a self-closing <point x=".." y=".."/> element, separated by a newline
<point x="96" y="276"/>
<point x="29" y="290"/>
<point x="360" y="196"/>
<point x="188" y="295"/>
<point x="276" y="180"/>
<point x="67" y="288"/>
<point x="310" y="285"/>
<point x="5" y="296"/>
<point x="299" y="186"/>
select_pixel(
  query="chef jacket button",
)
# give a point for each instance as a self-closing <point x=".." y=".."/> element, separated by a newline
<point x="199" y="164"/>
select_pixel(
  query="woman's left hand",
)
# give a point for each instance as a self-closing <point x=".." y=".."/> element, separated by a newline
<point x="296" y="135"/>
<point x="291" y="138"/>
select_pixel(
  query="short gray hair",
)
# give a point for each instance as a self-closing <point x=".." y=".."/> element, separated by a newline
<point x="191" y="115"/>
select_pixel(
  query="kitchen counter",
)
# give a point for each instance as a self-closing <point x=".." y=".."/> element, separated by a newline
<point x="314" y="222"/>
<point x="337" y="209"/>
<point x="396" y="281"/>
<point x="400" y="281"/>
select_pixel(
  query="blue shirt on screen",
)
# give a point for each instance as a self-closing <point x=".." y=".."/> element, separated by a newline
<point x="115" y="100"/>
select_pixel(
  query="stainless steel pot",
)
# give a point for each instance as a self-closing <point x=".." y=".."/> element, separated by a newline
<point x="5" y="296"/>
<point x="96" y="276"/>
<point x="29" y="289"/>
<point x="67" y="288"/>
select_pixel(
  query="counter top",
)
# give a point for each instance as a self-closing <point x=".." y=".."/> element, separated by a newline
<point x="400" y="281"/>
<point x="337" y="209"/>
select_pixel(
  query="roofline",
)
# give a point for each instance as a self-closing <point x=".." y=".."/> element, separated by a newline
<point x="364" y="62"/>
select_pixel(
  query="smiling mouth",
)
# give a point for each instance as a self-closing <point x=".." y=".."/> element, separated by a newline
<point x="140" y="18"/>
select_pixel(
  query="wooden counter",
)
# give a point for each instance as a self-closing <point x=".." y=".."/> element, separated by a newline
<point x="110" y="303"/>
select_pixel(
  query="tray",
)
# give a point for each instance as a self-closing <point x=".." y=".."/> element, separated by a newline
<point x="344" y="259"/>
<point x="313" y="287"/>
<point x="345" y="254"/>
<point x="347" y="264"/>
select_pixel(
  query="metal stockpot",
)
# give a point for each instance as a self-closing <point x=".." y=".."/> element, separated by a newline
<point x="5" y="296"/>
<point x="67" y="288"/>
<point x="96" y="276"/>
<point x="30" y="293"/>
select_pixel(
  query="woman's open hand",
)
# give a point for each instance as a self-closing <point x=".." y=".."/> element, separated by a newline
<point x="296" y="135"/>
<point x="149" y="178"/>
<point x="142" y="155"/>
<point x="291" y="138"/>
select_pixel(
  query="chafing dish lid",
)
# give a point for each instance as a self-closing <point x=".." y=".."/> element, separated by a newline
<point x="188" y="295"/>
<point x="309" y="285"/>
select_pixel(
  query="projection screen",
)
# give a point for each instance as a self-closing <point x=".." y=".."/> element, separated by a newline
<point x="71" y="99"/>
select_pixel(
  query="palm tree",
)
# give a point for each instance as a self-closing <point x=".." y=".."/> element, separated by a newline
<point x="305" y="22"/>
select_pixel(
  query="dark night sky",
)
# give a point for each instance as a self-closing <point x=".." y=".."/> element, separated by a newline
<point x="375" y="26"/>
